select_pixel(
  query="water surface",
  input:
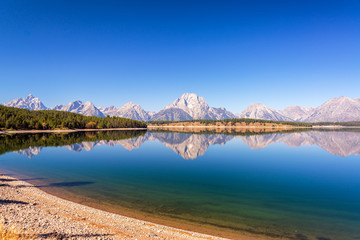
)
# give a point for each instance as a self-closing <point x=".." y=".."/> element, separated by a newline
<point x="298" y="185"/>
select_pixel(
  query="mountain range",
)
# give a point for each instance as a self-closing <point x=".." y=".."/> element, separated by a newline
<point x="191" y="106"/>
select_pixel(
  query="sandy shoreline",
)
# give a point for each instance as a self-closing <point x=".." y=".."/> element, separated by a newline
<point x="34" y="211"/>
<point x="68" y="131"/>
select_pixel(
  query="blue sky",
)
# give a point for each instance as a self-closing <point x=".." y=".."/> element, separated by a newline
<point x="232" y="53"/>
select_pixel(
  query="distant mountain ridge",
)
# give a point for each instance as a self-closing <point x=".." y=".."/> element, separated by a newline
<point x="128" y="110"/>
<point x="87" y="109"/>
<point x="260" y="111"/>
<point x="191" y="106"/>
<point x="341" y="109"/>
<point x="297" y="113"/>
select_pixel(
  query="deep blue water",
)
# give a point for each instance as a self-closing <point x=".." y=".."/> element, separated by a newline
<point x="301" y="185"/>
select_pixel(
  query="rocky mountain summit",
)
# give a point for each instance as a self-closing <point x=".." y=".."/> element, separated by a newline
<point x="191" y="106"/>
<point x="30" y="102"/>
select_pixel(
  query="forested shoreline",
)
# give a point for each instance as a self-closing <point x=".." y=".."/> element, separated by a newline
<point x="22" y="119"/>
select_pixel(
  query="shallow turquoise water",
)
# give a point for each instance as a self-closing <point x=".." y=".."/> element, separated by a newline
<point x="295" y="185"/>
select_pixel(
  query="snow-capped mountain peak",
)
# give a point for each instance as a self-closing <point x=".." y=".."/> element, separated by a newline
<point x="260" y="111"/>
<point x="29" y="102"/>
<point x="341" y="109"/>
<point x="128" y="110"/>
<point x="192" y="104"/>
<point x="297" y="113"/>
<point x="87" y="109"/>
<point x="196" y="107"/>
<point x="130" y="105"/>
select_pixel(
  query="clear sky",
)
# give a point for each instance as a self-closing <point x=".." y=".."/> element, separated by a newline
<point x="232" y="53"/>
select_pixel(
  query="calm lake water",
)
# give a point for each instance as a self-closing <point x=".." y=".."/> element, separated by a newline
<point x="299" y="185"/>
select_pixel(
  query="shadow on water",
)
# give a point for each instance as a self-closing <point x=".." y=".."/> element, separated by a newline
<point x="67" y="184"/>
<point x="323" y="238"/>
<point x="8" y="180"/>
<point x="31" y="179"/>
<point x="51" y="185"/>
<point x="4" y="185"/>
<point x="5" y="201"/>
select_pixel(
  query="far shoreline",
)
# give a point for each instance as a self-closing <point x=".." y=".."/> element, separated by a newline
<point x="154" y="127"/>
<point x="223" y="127"/>
<point x="150" y="127"/>
<point x="68" y="130"/>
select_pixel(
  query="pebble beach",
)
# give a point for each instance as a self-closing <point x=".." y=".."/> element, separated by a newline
<point x="40" y="215"/>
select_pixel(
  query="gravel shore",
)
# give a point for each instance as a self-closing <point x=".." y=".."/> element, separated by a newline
<point x="32" y="211"/>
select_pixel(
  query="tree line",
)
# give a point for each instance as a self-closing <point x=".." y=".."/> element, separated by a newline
<point x="345" y="124"/>
<point x="16" y="118"/>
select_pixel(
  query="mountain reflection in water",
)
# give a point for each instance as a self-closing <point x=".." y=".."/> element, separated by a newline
<point x="187" y="145"/>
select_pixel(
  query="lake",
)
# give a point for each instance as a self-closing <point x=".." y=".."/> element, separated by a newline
<point x="289" y="185"/>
